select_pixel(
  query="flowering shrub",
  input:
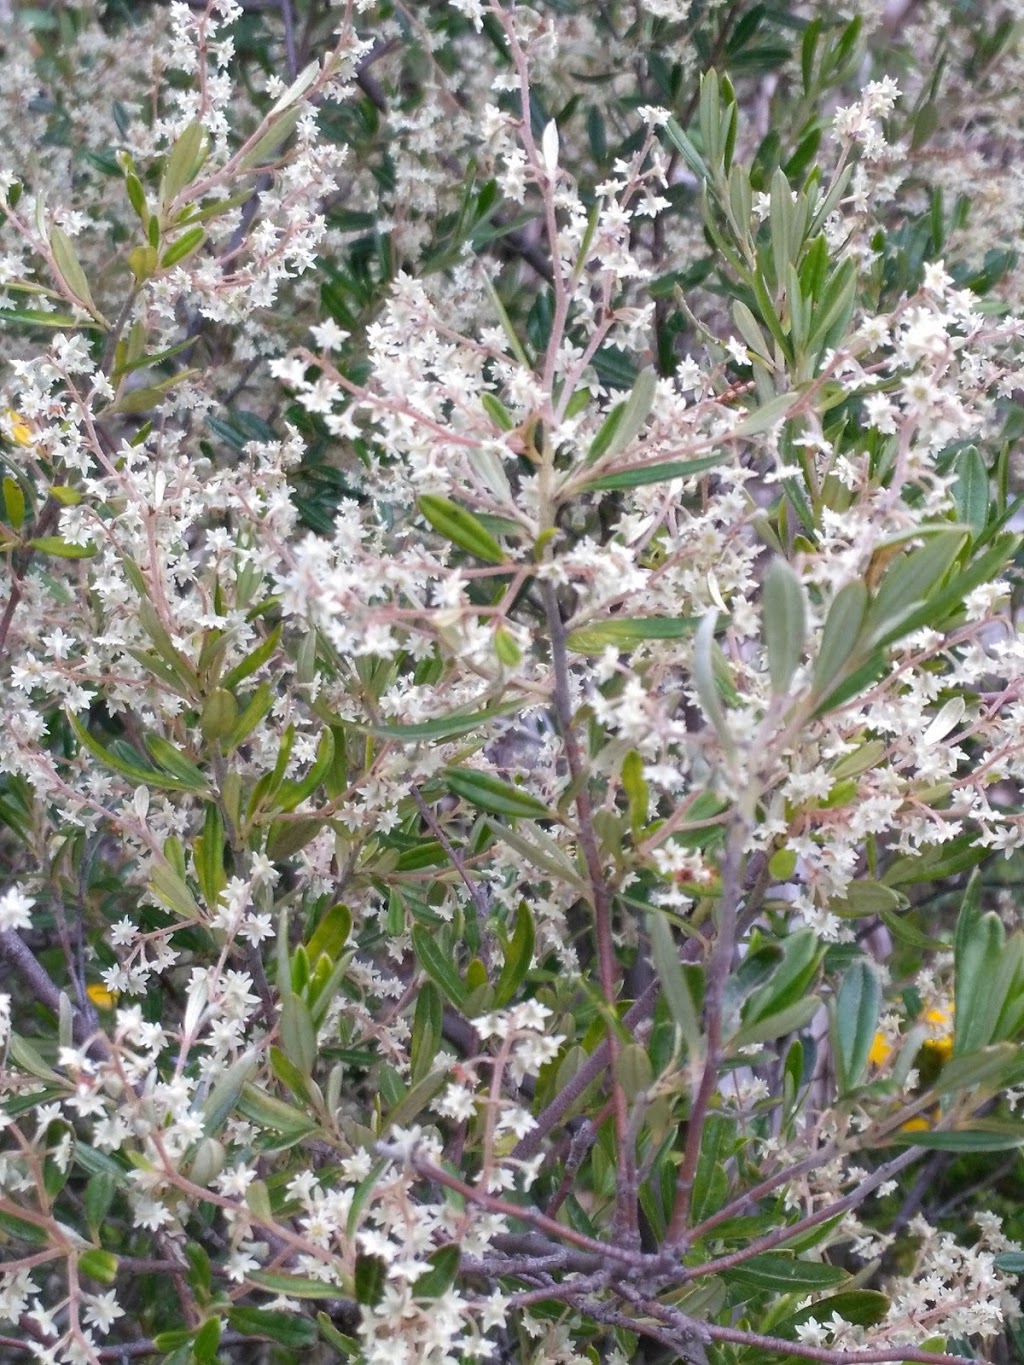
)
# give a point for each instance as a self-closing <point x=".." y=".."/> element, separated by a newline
<point x="511" y="687"/>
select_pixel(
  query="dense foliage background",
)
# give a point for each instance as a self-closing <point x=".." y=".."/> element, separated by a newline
<point x="512" y="749"/>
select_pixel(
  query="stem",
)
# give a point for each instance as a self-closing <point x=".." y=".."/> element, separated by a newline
<point x="718" y="975"/>
<point x="35" y="976"/>
<point x="831" y="1357"/>
<point x="607" y="1251"/>
<point x="783" y="1234"/>
<point x="601" y="900"/>
<point x="592" y="1067"/>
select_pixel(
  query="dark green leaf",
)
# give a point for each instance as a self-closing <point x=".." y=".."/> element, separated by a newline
<point x="493" y="795"/>
<point x="288" y="1329"/>
<point x="461" y="527"/>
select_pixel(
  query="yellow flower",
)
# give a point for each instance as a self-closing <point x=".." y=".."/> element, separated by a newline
<point x="938" y="1047"/>
<point x="16" y="428"/>
<point x="100" y="996"/>
<point x="940" y="1044"/>
<point x="881" y="1050"/>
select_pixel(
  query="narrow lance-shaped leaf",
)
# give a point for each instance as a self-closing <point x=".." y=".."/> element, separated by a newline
<point x="840" y="636"/>
<point x="705" y="683"/>
<point x="666" y="962"/>
<point x="909" y="580"/>
<point x="67" y="262"/>
<point x="461" y="527"/>
<point x="183" y="160"/>
<point x="785" y="624"/>
<point x="978" y="948"/>
<point x="493" y="795"/>
<point x="970" y="491"/>
<point x="426" y="1031"/>
<point x="641" y="475"/>
<point x="854" y="1021"/>
<point x="518" y="956"/>
<point x="625" y="422"/>
<point x="438" y="965"/>
<point x="623" y="632"/>
<point x="135" y="772"/>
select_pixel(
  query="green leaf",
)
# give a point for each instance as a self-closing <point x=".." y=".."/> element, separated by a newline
<point x="706" y="682"/>
<point x="99" y="1196"/>
<point x="331" y="934"/>
<point x="970" y="490"/>
<point x="345" y="1346"/>
<point x="749" y="330"/>
<point x="626" y="420"/>
<point x="206" y="1342"/>
<point x="34" y="318"/>
<point x="867" y="898"/>
<point x="623" y="632"/>
<point x="304" y="81"/>
<point x="518" y="956"/>
<point x="287" y="1329"/>
<point x="183" y="162"/>
<point x="22" y="1230"/>
<point x="907" y="582"/>
<point x="426" y="1031"/>
<point x="665" y="957"/>
<point x="994" y="1067"/>
<point x="791" y="977"/>
<point x="444" y="1266"/>
<point x="710" y="1180"/>
<point x="99" y="1265"/>
<point x="183" y="246"/>
<point x="637" y="791"/>
<point x="862" y="1307"/>
<point x="839" y="639"/>
<point x="539" y="849"/>
<point x="292" y="794"/>
<point x="785" y="624"/>
<point x="14" y="502"/>
<point x="438" y="965"/>
<point x="855" y="1021"/>
<point x="255" y="709"/>
<point x="61" y="548"/>
<point x="370" y="1278"/>
<point x="67" y="262"/>
<point x="298" y="1038"/>
<point x="461" y="527"/>
<point x="768" y="415"/>
<point x="295" y="1286"/>
<point x="974" y="1139"/>
<point x="493" y="795"/>
<point x="978" y="947"/>
<point x="641" y="475"/>
<point x="226" y="1094"/>
<point x="253" y="660"/>
<point x="173" y="761"/>
<point x="791" y="1019"/>
<point x="682" y="143"/>
<point x="200" y="1271"/>
<point x="416" y="1098"/>
<point x="1010" y="1262"/>
<point x="136" y="773"/>
<point x="776" y="1272"/>
<point x="445" y="727"/>
<point x="268" y="1112"/>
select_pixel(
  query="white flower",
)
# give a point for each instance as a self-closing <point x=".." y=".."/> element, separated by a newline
<point x="14" y="909"/>
<point x="549" y="149"/>
<point x="103" y="1310"/>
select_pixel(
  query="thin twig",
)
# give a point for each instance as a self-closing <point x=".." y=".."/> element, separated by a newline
<point x="717" y="977"/>
<point x="625" y="1185"/>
